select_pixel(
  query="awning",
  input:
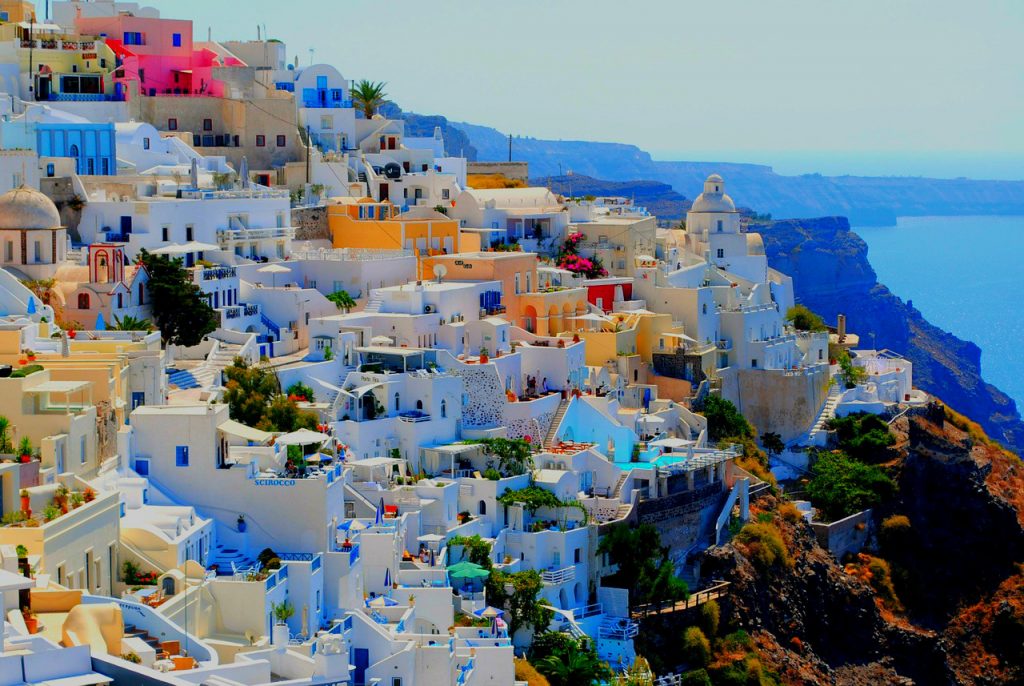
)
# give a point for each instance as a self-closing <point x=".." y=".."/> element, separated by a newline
<point x="302" y="437"/>
<point x="181" y="249"/>
<point x="360" y="391"/>
<point x="239" y="430"/>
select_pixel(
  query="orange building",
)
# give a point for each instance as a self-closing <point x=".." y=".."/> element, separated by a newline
<point x="544" y="311"/>
<point x="371" y="225"/>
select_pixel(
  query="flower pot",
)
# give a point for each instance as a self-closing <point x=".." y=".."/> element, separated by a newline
<point x="72" y="333"/>
<point x="484" y="359"/>
<point x="31" y="358"/>
<point x="25" y="459"/>
<point x="32" y="624"/>
<point x="279" y="635"/>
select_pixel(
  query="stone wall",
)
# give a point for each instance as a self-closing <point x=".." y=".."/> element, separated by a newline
<point x="311" y="223"/>
<point x="484" y="396"/>
<point x="62" y="192"/>
<point x="684" y="518"/>
<point x="510" y="170"/>
<point x="846" y="536"/>
<point x="773" y="400"/>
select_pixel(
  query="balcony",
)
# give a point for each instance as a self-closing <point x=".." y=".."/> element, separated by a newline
<point x="414" y="416"/>
<point x="199" y="274"/>
<point x="227" y="237"/>
<point x="724" y="344"/>
<point x="558" y="576"/>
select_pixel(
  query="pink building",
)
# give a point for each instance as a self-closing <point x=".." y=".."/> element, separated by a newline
<point x="158" y="55"/>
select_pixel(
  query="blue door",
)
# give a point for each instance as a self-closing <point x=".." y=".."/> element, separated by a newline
<point x="360" y="660"/>
<point x="138" y="398"/>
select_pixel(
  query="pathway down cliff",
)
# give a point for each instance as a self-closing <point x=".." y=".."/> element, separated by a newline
<point x="832" y="275"/>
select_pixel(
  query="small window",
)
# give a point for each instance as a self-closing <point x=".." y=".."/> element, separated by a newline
<point x="721" y="253"/>
<point x="172" y="124"/>
<point x="261" y="141"/>
<point x="83" y="301"/>
<point x="165" y="234"/>
<point x="282" y="141"/>
<point x="188" y="234"/>
<point x="176" y="40"/>
<point x="753" y="363"/>
<point x="445" y="193"/>
<point x="181" y="456"/>
<point x="719" y="225"/>
<point x="444" y="409"/>
<point x="145" y="143"/>
<point x="207" y="125"/>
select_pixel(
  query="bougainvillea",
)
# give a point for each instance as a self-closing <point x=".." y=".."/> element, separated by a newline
<point x="570" y="259"/>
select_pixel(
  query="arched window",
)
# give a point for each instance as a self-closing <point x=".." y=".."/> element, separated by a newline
<point x="83" y="301"/>
<point x="482" y="508"/>
<point x="444" y="409"/>
<point x="396" y="402"/>
<point x="719" y="225"/>
<point x="636" y="375"/>
<point x="419" y="404"/>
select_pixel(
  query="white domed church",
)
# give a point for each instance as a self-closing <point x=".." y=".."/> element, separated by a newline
<point x="713" y="231"/>
<point x="33" y="243"/>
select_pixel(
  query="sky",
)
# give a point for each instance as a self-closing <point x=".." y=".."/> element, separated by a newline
<point x="921" y="87"/>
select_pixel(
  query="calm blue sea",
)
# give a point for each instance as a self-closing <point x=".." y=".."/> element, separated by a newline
<point x="965" y="275"/>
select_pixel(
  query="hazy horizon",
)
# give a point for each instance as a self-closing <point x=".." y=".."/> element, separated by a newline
<point x="804" y="87"/>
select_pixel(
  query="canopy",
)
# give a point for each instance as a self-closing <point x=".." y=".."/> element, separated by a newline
<point x="679" y="335"/>
<point x="467" y="570"/>
<point x="302" y="437"/>
<point x="273" y="268"/>
<point x="430" y="538"/>
<point x="591" y="317"/>
<point x="671" y="443"/>
<point x="382" y="601"/>
<point x="380" y="340"/>
<point x="181" y="249"/>
<point x="651" y="419"/>
<point x="248" y="433"/>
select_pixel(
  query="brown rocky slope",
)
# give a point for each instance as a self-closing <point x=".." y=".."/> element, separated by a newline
<point x="958" y="575"/>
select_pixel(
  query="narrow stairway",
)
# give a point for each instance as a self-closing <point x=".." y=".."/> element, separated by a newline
<point x="563" y="407"/>
<point x="229" y="559"/>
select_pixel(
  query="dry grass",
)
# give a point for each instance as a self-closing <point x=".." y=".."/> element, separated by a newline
<point x="482" y="181"/>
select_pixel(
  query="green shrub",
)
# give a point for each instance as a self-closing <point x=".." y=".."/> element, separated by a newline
<point x="803" y="319"/>
<point x="26" y="370"/>
<point x="881" y="581"/>
<point x="696" y="647"/>
<point x="724" y="419"/>
<point x="696" y="677"/>
<point x="841" y="486"/>
<point x="863" y="436"/>
<point x="762" y="544"/>
<point x="790" y="512"/>
<point x="710" y="615"/>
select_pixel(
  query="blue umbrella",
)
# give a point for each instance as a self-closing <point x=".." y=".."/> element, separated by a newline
<point x="100" y="324"/>
<point x="31" y="305"/>
<point x="379" y="518"/>
<point x="387" y="578"/>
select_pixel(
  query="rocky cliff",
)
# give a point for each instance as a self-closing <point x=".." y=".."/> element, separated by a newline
<point x="866" y="200"/>
<point x="832" y="275"/>
<point x="959" y="617"/>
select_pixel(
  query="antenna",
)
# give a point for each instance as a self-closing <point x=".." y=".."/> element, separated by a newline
<point x="440" y="271"/>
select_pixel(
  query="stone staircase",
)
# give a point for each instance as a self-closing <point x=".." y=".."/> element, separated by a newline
<point x="552" y="434"/>
<point x="617" y="491"/>
<point x="818" y="435"/>
<point x="209" y="373"/>
<point x="373" y="305"/>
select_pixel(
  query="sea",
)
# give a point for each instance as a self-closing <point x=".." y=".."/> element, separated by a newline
<point x="964" y="274"/>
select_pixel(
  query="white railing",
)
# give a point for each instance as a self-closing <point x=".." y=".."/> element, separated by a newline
<point x="349" y="254"/>
<point x="557" y="576"/>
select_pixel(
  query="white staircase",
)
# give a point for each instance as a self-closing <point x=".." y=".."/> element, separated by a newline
<point x="818" y="435"/>
<point x="563" y="407"/>
<point x="617" y="491"/>
<point x="373" y="305"/>
<point x="208" y="374"/>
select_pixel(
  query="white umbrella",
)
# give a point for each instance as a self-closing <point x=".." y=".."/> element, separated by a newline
<point x="651" y="419"/>
<point x="380" y="340"/>
<point x="302" y="437"/>
<point x="274" y="269"/>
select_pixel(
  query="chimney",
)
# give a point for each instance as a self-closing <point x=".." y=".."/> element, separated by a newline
<point x="841" y="327"/>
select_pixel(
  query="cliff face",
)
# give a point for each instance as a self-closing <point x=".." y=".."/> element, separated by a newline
<point x="832" y="275"/>
<point x="867" y="200"/>
<point x="958" y="575"/>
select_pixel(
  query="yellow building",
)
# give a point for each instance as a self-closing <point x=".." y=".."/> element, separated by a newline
<point x="370" y="225"/>
<point x="17" y="11"/>
<point x="60" y="63"/>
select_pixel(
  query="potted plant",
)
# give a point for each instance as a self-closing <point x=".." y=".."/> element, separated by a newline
<point x="72" y="333"/>
<point x="25" y="449"/>
<point x="31" y="355"/>
<point x="77" y="500"/>
<point x="26" y="502"/>
<point x="31" y="621"/>
<point x="241" y="524"/>
<point x="484" y="352"/>
<point x="575" y="338"/>
<point x="561" y="342"/>
<point x="89" y="495"/>
<point x="60" y="498"/>
<point x="51" y="512"/>
<point x="282" y="612"/>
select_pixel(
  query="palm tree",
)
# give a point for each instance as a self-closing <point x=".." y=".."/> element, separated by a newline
<point x="368" y="96"/>
<point x="41" y="288"/>
<point x="578" y="668"/>
<point x="130" y="323"/>
<point x="5" y="441"/>
<point x="342" y="300"/>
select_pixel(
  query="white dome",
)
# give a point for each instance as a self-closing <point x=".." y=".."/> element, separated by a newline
<point x="713" y="199"/>
<point x="27" y="208"/>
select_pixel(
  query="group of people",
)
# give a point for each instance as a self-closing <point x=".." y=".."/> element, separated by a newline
<point x="531" y="385"/>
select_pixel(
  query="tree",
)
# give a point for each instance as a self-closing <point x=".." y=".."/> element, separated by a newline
<point x="569" y="662"/>
<point x="803" y="319"/>
<point x="863" y="436"/>
<point x="301" y="392"/>
<point x="41" y="288"/>
<point x="772" y="443"/>
<point x="515" y="456"/>
<point x="248" y="391"/>
<point x="524" y="610"/>
<point x="851" y="374"/>
<point x="342" y="300"/>
<point x="696" y="647"/>
<point x="130" y="323"/>
<point x="475" y="548"/>
<point x="644" y="567"/>
<point x="6" y="447"/>
<point x="724" y="419"/>
<point x="368" y="96"/>
<point x="841" y="486"/>
<point x="282" y="414"/>
<point x="180" y="311"/>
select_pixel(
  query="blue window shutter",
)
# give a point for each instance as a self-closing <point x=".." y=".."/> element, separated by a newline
<point x="181" y="456"/>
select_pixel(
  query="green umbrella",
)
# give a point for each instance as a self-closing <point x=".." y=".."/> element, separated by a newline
<point x="467" y="570"/>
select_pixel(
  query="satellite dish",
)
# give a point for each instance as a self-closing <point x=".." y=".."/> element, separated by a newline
<point x="440" y="271"/>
